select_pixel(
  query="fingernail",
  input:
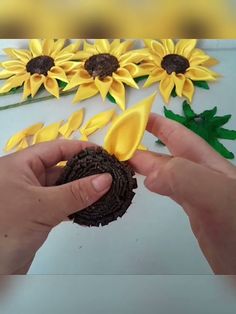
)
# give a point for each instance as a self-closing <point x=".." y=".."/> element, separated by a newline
<point x="102" y="182"/>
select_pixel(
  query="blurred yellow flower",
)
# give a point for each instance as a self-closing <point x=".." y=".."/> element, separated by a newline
<point x="177" y="66"/>
<point x="72" y="124"/>
<point x="46" y="62"/>
<point x="105" y="67"/>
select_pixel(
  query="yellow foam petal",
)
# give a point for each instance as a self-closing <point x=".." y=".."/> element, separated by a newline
<point x="102" y="45"/>
<point x="22" y="54"/>
<point x="166" y="87"/>
<point x="58" y="73"/>
<point x="133" y="56"/>
<point x="47" y="133"/>
<point x="122" y="48"/>
<point x="169" y="45"/>
<point x="188" y="89"/>
<point x="73" y="123"/>
<point x="13" y="141"/>
<point x="36" y="80"/>
<point x="85" y="91"/>
<point x="155" y="76"/>
<point x="23" y="144"/>
<point x="126" y="133"/>
<point x="5" y="74"/>
<point x="184" y="47"/>
<point x="117" y="91"/>
<point x="200" y="73"/>
<point x="103" y="85"/>
<point x="35" y="47"/>
<point x="51" y="86"/>
<point x="157" y="48"/>
<point x="80" y="77"/>
<point x="48" y="45"/>
<point x="26" y="89"/>
<point x="124" y="76"/>
<point x="179" y="80"/>
<point x="97" y="122"/>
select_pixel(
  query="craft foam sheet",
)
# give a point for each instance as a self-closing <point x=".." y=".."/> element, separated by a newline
<point x="154" y="236"/>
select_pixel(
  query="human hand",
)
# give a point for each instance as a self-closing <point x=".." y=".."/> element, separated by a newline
<point x="201" y="181"/>
<point x="30" y="206"/>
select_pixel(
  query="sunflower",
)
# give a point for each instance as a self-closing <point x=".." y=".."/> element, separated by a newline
<point x="176" y="67"/>
<point x="45" y="63"/>
<point x="105" y="67"/>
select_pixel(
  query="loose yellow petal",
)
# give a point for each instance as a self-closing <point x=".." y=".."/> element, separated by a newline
<point x="31" y="130"/>
<point x="97" y="122"/>
<point x="117" y="91"/>
<point x="36" y="80"/>
<point x="166" y="87"/>
<point x="47" y="133"/>
<point x="73" y="123"/>
<point x="126" y="133"/>
<point x="124" y="76"/>
<point x="85" y="91"/>
<point x="23" y="144"/>
<point x="35" y="47"/>
<point x="51" y="86"/>
<point x="103" y="85"/>
<point x="188" y="89"/>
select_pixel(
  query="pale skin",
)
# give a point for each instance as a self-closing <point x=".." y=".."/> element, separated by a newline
<point x="194" y="176"/>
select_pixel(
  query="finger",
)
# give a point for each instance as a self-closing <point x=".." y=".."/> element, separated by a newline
<point x="181" y="142"/>
<point x="50" y="153"/>
<point x="145" y="162"/>
<point x="68" y="198"/>
<point x="52" y="175"/>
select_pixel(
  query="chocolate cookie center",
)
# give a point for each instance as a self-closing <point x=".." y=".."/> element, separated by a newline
<point x="101" y="65"/>
<point x="175" y="63"/>
<point x="40" y="65"/>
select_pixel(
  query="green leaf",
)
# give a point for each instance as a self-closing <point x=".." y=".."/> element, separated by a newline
<point x="189" y="113"/>
<point x="173" y="93"/>
<point x="220" y="148"/>
<point x="140" y="78"/>
<point x="201" y="84"/>
<point x="111" y="98"/>
<point x="61" y="84"/>
<point x="219" y="121"/>
<point x="171" y="115"/>
<point x="208" y="114"/>
<point x="226" y="134"/>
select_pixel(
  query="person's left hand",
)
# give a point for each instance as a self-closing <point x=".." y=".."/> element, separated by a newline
<point x="30" y="206"/>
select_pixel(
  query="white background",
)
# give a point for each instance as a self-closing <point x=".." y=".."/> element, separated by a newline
<point x="154" y="236"/>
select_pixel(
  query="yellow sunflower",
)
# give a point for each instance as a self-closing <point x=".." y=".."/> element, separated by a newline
<point x="176" y="67"/>
<point x="46" y="62"/>
<point x="105" y="67"/>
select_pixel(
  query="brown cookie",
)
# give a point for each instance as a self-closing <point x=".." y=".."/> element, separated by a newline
<point x="116" y="201"/>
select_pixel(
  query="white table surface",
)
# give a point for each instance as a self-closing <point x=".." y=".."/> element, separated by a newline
<point x="154" y="236"/>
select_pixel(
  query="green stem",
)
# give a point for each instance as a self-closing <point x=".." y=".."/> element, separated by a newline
<point x="33" y="100"/>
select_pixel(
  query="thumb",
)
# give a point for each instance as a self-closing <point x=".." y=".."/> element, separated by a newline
<point x="76" y="195"/>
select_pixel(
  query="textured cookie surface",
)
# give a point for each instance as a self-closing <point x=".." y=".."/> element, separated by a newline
<point x="116" y="201"/>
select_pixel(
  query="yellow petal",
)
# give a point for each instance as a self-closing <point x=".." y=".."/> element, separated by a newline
<point x="62" y="163"/>
<point x="117" y="91"/>
<point x="5" y="74"/>
<point x="143" y="69"/>
<point x="72" y="48"/>
<point x="142" y="147"/>
<point x="83" y="138"/>
<point x="184" y="47"/>
<point x="82" y="55"/>
<point x="124" y="76"/>
<point x="188" y="89"/>
<point x="36" y="80"/>
<point x="126" y="133"/>
<point x="85" y="91"/>
<point x="157" y="48"/>
<point x="115" y="43"/>
<point x="14" y="81"/>
<point x="102" y="45"/>
<point x="80" y="77"/>
<point x="23" y="144"/>
<point x="47" y="133"/>
<point x="51" y="86"/>
<point x="210" y="62"/>
<point x="9" y="52"/>
<point x="26" y="89"/>
<point x="169" y="45"/>
<point x="97" y="122"/>
<point x="122" y="48"/>
<point x="13" y="141"/>
<point x="13" y="65"/>
<point x="69" y="66"/>
<point x="73" y="123"/>
<point x="154" y="77"/>
<point x="35" y="47"/>
<point x="179" y="80"/>
<point x="200" y="73"/>
<point x="62" y="57"/>
<point x="133" y="56"/>
<point x="22" y="54"/>
<point x="103" y="85"/>
<point x="166" y="87"/>
<point x="48" y="46"/>
<point x="31" y="130"/>
<point x="58" y="73"/>
<point x="58" y="45"/>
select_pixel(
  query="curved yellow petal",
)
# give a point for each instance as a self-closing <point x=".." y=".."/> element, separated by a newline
<point x="133" y="56"/>
<point x="156" y="47"/>
<point x="51" y="86"/>
<point x="69" y="66"/>
<point x="35" y="46"/>
<point x="82" y="55"/>
<point x="102" y="45"/>
<point x="72" y="48"/>
<point x="48" y="45"/>
<point x="115" y="43"/>
<point x="47" y="133"/>
<point x="117" y="91"/>
<point x="62" y="57"/>
<point x="73" y="123"/>
<point x="210" y="62"/>
<point x="184" y="47"/>
<point x="179" y="80"/>
<point x="31" y="130"/>
<point x="13" y="65"/>
<point x="155" y="76"/>
<point x="26" y="89"/>
<point x="145" y="68"/>
<point x="14" y="141"/>
<point x="57" y="73"/>
<point x="14" y="81"/>
<point x="96" y="122"/>
<point x="23" y="144"/>
<point x="36" y="80"/>
<point x="22" y="54"/>
<point x="9" y="52"/>
<point x="124" y="76"/>
<point x="80" y="77"/>
<point x="166" y="86"/>
<point x="168" y="45"/>
<point x="122" y="48"/>
<point x="5" y="74"/>
<point x="103" y="85"/>
<point x="126" y="133"/>
<point x="85" y="91"/>
<point x="58" y="45"/>
<point x="200" y="73"/>
<point x="188" y="89"/>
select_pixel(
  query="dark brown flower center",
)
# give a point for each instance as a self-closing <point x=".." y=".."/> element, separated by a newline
<point x="175" y="63"/>
<point x="40" y="65"/>
<point x="101" y="65"/>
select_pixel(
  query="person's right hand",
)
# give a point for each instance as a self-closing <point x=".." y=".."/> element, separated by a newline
<point x="201" y="181"/>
